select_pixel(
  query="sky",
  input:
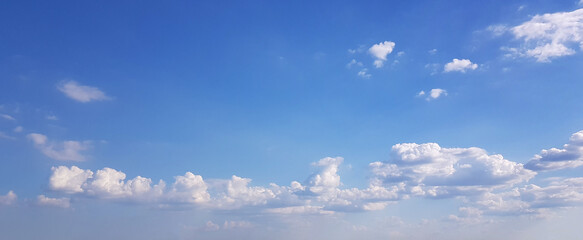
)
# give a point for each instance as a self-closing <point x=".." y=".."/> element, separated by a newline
<point x="291" y="120"/>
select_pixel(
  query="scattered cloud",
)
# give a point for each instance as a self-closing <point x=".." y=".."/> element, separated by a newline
<point x="380" y="51"/>
<point x="236" y="224"/>
<point x="520" y="8"/>
<point x="42" y="200"/>
<point x="400" y="54"/>
<point x="364" y="73"/>
<point x="353" y="62"/>
<point x="549" y="35"/>
<point x="570" y="156"/>
<point x="457" y="65"/>
<point x="497" y="30"/>
<point x="421" y="93"/>
<point x="81" y="93"/>
<point x="8" y="199"/>
<point x="211" y="226"/>
<point x="432" y="51"/>
<point x="7" y="117"/>
<point x="433" y="67"/>
<point x="63" y="151"/>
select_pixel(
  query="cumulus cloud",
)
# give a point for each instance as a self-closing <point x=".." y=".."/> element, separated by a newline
<point x="570" y="156"/>
<point x="353" y="62"/>
<point x="430" y="170"/>
<point x="457" y="65"/>
<point x="380" y="51"/>
<point x="81" y="93"/>
<point x="8" y="199"/>
<point x="550" y="35"/>
<point x="63" y="151"/>
<point x="42" y="200"/>
<point x="69" y="180"/>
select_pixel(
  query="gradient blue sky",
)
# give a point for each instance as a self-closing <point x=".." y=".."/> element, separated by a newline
<point x="291" y="120"/>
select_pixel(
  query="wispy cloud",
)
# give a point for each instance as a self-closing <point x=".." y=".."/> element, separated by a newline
<point x="81" y="93"/>
<point x="63" y="151"/>
<point x="43" y="200"/>
<point x="7" y="117"/>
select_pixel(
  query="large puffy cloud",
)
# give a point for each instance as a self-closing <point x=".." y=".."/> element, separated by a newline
<point x="459" y="65"/>
<point x="69" y="180"/>
<point x="430" y="170"/>
<point x="570" y="156"/>
<point x="550" y="35"/>
<point x="8" y="199"/>
<point x="64" y="151"/>
<point x="380" y="51"/>
<point x="81" y="93"/>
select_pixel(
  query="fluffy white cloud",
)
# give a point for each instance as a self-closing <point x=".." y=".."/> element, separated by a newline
<point x="81" y="93"/>
<point x="8" y="199"/>
<point x="65" y="151"/>
<point x="430" y="170"/>
<point x="380" y="51"/>
<point x="550" y="35"/>
<point x="69" y="180"/>
<point x="570" y="156"/>
<point x="189" y="188"/>
<point x="53" y="202"/>
<point x="457" y="65"/>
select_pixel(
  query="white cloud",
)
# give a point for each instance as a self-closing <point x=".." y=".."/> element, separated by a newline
<point x="64" y="151"/>
<point x="8" y="199"/>
<point x="53" y="202"/>
<point x="430" y="170"/>
<point x="7" y="117"/>
<point x="18" y="129"/>
<point x="81" y="93"/>
<point x="570" y="156"/>
<point x="364" y="73"/>
<point x="353" y="62"/>
<point x="380" y="52"/>
<point x="550" y="35"/>
<point x="432" y="51"/>
<point x="189" y="188"/>
<point x="69" y="180"/>
<point x="497" y="30"/>
<point x="457" y="65"/>
<point x="433" y="94"/>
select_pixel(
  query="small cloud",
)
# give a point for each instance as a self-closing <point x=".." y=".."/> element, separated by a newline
<point x="364" y="74"/>
<point x="353" y="63"/>
<point x="7" y="117"/>
<point x="52" y="117"/>
<point x="497" y="30"/>
<point x="42" y="200"/>
<point x="18" y="129"/>
<point x="433" y="67"/>
<point x="458" y="65"/>
<point x="433" y="94"/>
<point x="81" y="93"/>
<point x="401" y="53"/>
<point x="522" y="7"/>
<point x="8" y="199"/>
<point x="432" y="51"/>
<point x="65" y="151"/>
<point x="380" y="52"/>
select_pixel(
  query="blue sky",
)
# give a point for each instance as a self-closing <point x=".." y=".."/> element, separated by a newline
<point x="297" y="120"/>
